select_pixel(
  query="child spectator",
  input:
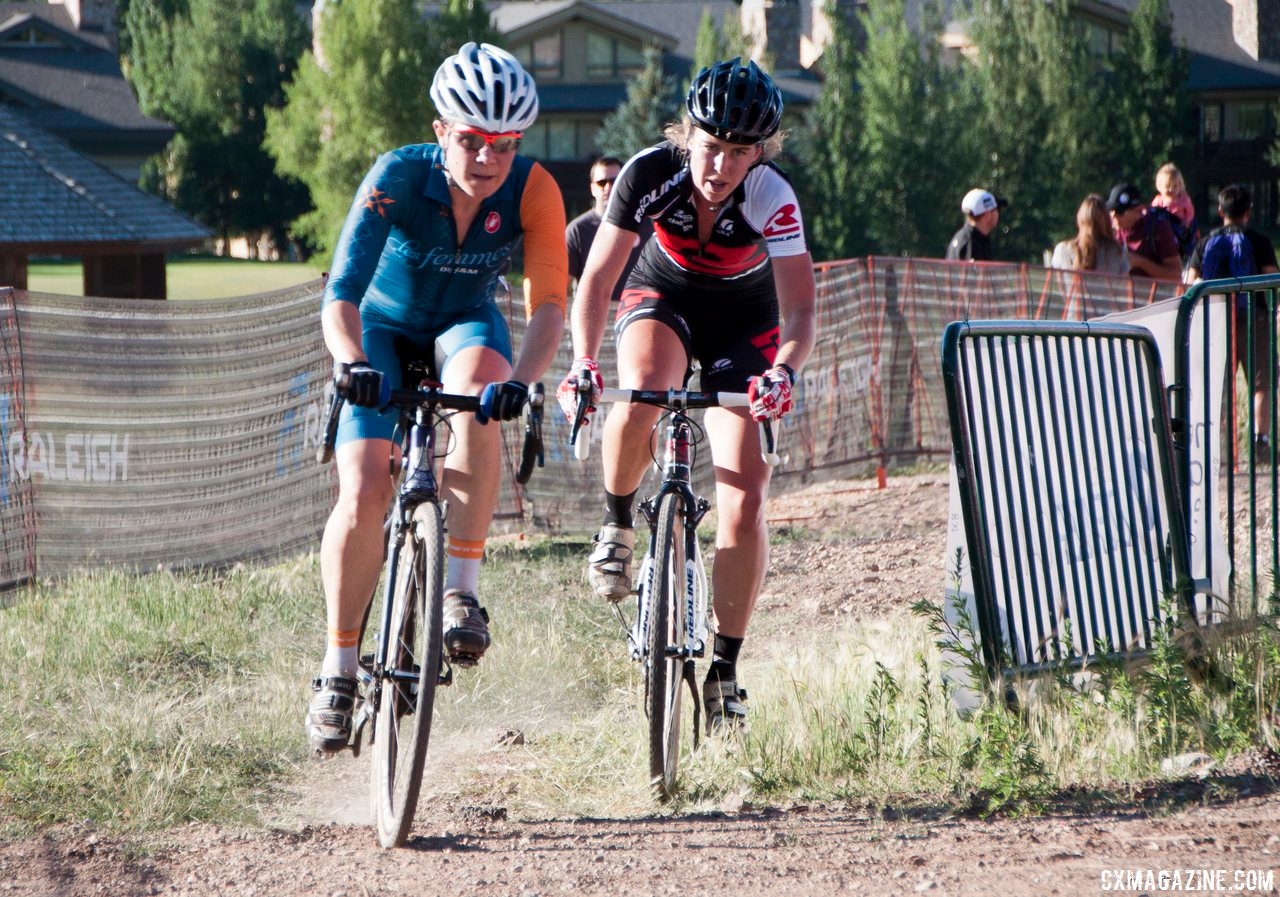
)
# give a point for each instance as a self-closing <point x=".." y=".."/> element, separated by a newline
<point x="1094" y="247"/>
<point x="1171" y="194"/>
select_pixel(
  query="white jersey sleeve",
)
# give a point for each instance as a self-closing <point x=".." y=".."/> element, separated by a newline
<point x="770" y="207"/>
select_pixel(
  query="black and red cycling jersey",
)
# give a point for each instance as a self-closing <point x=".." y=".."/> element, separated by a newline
<point x="761" y="220"/>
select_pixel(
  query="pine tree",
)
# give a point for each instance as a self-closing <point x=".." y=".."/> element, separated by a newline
<point x="650" y="105"/>
<point x="1038" y="92"/>
<point x="915" y="141"/>
<point x="709" y="47"/>
<point x="1148" y="104"/>
<point x="827" y="145"/>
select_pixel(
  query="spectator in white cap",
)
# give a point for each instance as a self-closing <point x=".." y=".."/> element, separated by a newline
<point x="972" y="243"/>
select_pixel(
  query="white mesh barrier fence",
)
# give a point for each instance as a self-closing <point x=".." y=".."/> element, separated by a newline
<point x="183" y="433"/>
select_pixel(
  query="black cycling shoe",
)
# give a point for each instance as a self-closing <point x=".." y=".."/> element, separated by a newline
<point x="725" y="705"/>
<point x="466" y="628"/>
<point x="329" y="714"/>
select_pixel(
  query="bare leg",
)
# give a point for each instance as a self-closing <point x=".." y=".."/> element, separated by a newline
<point x="472" y="475"/>
<point x="742" y="545"/>
<point x="650" y="356"/>
<point x="351" y="550"/>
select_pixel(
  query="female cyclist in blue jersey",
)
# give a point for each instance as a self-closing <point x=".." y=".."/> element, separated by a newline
<point x="727" y="280"/>
<point x="416" y="267"/>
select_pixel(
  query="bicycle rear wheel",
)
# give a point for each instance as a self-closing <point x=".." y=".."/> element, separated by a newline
<point x="403" y="725"/>
<point x="666" y="630"/>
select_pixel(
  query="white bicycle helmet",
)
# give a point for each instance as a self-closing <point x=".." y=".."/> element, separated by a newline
<point x="485" y="87"/>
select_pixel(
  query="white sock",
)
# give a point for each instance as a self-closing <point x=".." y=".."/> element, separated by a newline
<point x="342" y="655"/>
<point x="463" y="574"/>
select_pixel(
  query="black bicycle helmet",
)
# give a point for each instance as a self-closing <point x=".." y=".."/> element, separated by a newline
<point x="735" y="102"/>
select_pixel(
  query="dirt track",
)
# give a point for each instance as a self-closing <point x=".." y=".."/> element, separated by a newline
<point x="890" y="551"/>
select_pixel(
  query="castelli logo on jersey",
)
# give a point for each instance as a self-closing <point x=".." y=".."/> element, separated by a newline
<point x="492" y="223"/>
<point x="784" y="221"/>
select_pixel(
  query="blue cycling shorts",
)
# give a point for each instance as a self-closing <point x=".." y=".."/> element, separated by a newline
<point x="483" y="325"/>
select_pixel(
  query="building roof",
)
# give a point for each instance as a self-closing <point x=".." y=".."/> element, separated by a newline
<point x="1217" y="61"/>
<point x="57" y="200"/>
<point x="675" y="20"/>
<point x="72" y="85"/>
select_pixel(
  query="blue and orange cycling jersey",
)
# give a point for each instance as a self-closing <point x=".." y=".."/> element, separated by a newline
<point x="399" y="257"/>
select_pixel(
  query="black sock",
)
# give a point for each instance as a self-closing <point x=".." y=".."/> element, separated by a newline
<point x="724" y="659"/>
<point x="617" y="508"/>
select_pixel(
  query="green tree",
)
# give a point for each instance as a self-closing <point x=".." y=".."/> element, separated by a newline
<point x="1038" y="93"/>
<point x="712" y="45"/>
<point x="650" y="105"/>
<point x="370" y="96"/>
<point x="1148" y="105"/>
<point x="915" y="141"/>
<point x="212" y="68"/>
<point x="709" y="46"/>
<point x="827" y="146"/>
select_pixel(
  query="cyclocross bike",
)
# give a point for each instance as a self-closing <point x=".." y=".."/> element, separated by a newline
<point x="669" y="631"/>
<point x="408" y="660"/>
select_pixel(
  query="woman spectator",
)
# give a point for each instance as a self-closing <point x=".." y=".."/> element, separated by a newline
<point x="1094" y="247"/>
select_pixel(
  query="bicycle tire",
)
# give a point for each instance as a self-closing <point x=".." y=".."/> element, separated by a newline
<point x="666" y="628"/>
<point x="403" y="724"/>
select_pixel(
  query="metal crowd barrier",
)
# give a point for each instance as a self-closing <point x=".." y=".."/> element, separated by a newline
<point x="1226" y="466"/>
<point x="1064" y="461"/>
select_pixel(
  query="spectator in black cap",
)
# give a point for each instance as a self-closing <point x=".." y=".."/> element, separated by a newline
<point x="1153" y="246"/>
<point x="972" y="243"/>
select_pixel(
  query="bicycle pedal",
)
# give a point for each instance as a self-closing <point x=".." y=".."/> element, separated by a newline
<point x="464" y="661"/>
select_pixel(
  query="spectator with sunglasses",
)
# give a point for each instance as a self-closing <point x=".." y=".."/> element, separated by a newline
<point x="581" y="231"/>
<point x="727" y="280"/>
<point x="417" y="264"/>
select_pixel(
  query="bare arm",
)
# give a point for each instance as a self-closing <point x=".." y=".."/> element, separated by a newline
<point x="340" y="322"/>
<point x="608" y="256"/>
<point x="797" y="303"/>
<point x="1167" y="268"/>
<point x="541" y="339"/>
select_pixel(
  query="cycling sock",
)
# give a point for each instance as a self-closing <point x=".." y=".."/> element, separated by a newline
<point x="341" y="657"/>
<point x="724" y="660"/>
<point x="464" y="565"/>
<point x="617" y="508"/>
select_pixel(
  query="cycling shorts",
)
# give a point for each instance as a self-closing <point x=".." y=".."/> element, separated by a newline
<point x="730" y="346"/>
<point x="483" y="325"/>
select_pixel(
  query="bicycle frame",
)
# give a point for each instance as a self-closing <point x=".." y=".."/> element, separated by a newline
<point x="418" y="486"/>
<point x="676" y="478"/>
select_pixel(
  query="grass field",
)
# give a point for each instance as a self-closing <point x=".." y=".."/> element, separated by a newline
<point x="189" y="277"/>
<point x="146" y="701"/>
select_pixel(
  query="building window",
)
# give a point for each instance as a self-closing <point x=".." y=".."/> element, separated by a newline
<point x="608" y="57"/>
<point x="1101" y="41"/>
<point x="542" y="57"/>
<point x="1211" y="122"/>
<point x="1244" y="121"/>
<point x="31" y="37"/>
<point x="551" y="141"/>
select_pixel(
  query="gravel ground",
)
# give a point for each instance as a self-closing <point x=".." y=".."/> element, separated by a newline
<point x="852" y="551"/>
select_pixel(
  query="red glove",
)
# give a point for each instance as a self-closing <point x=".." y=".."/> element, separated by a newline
<point x="770" y="393"/>
<point x="584" y="368"/>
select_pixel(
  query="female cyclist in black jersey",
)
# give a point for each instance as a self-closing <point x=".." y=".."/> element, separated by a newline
<point x="728" y="280"/>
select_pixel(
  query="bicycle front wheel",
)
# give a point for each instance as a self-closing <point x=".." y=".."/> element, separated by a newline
<point x="403" y="724"/>
<point x="665" y="665"/>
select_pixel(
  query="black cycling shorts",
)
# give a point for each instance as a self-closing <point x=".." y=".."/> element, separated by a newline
<point x="731" y="343"/>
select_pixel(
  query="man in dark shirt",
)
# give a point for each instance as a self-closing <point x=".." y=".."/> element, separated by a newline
<point x="972" y="243"/>
<point x="582" y="230"/>
<point x="1235" y="206"/>
<point x="1153" y="246"/>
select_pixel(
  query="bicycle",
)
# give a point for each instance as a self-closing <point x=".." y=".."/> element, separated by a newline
<point x="669" y="632"/>
<point x="408" y="661"/>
